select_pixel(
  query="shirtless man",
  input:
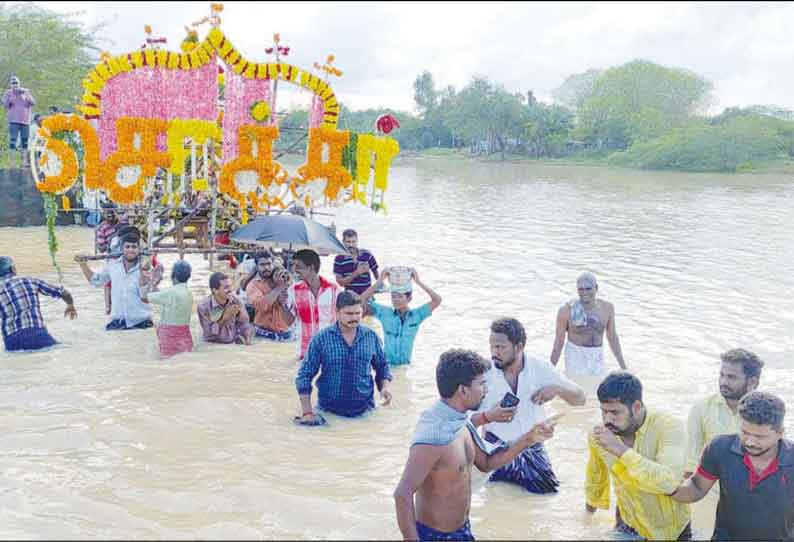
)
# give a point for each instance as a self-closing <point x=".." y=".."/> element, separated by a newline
<point x="584" y="321"/>
<point x="444" y="447"/>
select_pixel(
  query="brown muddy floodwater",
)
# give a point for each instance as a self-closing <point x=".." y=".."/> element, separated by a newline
<point x="100" y="439"/>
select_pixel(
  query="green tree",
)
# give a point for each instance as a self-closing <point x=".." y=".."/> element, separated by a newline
<point x="485" y="113"/>
<point x="425" y="94"/>
<point x="576" y="89"/>
<point x="638" y="101"/>
<point x="547" y="129"/>
<point x="51" y="53"/>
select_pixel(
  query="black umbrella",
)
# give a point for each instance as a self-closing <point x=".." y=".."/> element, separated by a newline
<point x="289" y="232"/>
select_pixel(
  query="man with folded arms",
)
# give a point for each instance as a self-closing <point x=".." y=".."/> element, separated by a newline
<point x="642" y="450"/>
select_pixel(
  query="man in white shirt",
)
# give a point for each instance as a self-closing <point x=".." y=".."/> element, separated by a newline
<point x="534" y="382"/>
<point x="128" y="310"/>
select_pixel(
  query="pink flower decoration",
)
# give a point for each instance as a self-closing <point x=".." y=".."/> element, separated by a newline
<point x="157" y="93"/>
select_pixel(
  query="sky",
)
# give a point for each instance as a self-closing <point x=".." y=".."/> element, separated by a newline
<point x="745" y="49"/>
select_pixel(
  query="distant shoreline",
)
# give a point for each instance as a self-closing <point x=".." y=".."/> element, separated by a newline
<point x="783" y="167"/>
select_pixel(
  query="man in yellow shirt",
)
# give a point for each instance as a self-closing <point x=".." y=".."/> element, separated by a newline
<point x="642" y="450"/>
<point x="716" y="415"/>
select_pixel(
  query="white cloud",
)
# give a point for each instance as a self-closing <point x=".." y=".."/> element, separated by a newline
<point x="743" y="48"/>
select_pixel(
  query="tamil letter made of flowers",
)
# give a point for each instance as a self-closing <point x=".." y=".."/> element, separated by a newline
<point x="137" y="157"/>
<point x="255" y="158"/>
<point x="60" y="151"/>
<point x="331" y="169"/>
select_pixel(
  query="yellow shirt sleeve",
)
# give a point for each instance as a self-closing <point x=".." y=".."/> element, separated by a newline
<point x="696" y="437"/>
<point x="663" y="475"/>
<point x="597" y="479"/>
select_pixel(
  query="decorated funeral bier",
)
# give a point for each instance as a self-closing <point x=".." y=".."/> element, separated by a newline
<point x="158" y="126"/>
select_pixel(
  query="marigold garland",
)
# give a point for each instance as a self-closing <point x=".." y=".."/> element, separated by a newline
<point x="69" y="169"/>
<point x="260" y="111"/>
<point x="147" y="157"/>
<point x="198" y="130"/>
<point x="215" y="43"/>
<point x="332" y="170"/>
<point x="262" y="164"/>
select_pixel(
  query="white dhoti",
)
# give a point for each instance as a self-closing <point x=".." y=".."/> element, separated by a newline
<point x="584" y="360"/>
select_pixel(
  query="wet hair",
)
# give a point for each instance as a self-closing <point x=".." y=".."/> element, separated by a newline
<point x="347" y="299"/>
<point x="6" y="266"/>
<point x="264" y="254"/>
<point x="512" y="328"/>
<point x="349" y="233"/>
<point x="130" y="238"/>
<point x="309" y="258"/>
<point x="458" y="367"/>
<point x="216" y="278"/>
<point x="761" y="408"/>
<point x="181" y="271"/>
<point x="620" y="386"/>
<point x="751" y="364"/>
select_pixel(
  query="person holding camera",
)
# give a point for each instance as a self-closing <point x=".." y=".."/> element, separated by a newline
<point x="266" y="290"/>
<point x="19" y="109"/>
<point x="518" y="386"/>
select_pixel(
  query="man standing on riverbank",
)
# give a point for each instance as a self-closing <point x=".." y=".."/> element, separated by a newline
<point x="755" y="469"/>
<point x="445" y="446"/>
<point x="20" y="313"/>
<point x="18" y="103"/>
<point x="584" y="321"/>
<point x="642" y="451"/>
<point x="128" y="310"/>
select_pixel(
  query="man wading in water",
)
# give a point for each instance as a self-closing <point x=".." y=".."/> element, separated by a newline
<point x="584" y="320"/>
<point x="444" y="447"/>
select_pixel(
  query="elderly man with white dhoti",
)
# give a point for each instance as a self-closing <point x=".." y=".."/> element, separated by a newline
<point x="583" y="322"/>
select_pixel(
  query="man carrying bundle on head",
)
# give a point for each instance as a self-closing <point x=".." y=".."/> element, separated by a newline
<point x="129" y="311"/>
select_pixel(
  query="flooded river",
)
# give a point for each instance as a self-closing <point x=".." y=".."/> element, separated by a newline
<point x="100" y="439"/>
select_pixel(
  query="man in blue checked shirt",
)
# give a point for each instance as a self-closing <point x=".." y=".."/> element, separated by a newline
<point x="20" y="314"/>
<point x="345" y="354"/>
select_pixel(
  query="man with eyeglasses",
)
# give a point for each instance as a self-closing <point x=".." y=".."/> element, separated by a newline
<point x="583" y="321"/>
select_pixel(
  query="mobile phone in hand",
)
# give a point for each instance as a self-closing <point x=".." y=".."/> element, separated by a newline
<point x="509" y="400"/>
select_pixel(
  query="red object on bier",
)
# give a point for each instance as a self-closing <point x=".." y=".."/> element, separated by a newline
<point x="386" y="123"/>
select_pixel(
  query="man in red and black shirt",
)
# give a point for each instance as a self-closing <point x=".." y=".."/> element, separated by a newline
<point x="756" y="473"/>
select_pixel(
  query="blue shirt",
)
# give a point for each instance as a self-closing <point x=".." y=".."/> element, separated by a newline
<point x="345" y="385"/>
<point x="399" y="331"/>
<point x="19" y="303"/>
<point x="345" y="265"/>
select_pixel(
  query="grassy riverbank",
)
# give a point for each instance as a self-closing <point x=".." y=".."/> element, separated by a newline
<point x="589" y="159"/>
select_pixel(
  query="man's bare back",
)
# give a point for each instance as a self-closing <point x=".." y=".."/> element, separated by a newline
<point x="592" y="332"/>
<point x="443" y="500"/>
